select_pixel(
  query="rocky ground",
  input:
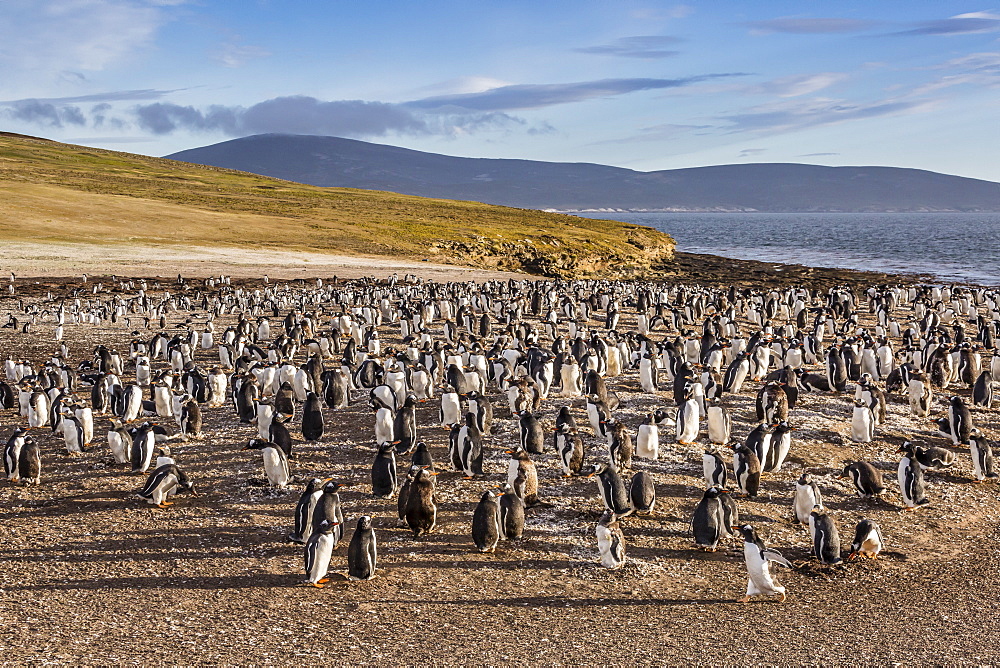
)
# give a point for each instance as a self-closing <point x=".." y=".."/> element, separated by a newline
<point x="89" y="574"/>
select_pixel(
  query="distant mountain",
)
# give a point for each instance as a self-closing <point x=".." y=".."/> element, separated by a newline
<point x="774" y="187"/>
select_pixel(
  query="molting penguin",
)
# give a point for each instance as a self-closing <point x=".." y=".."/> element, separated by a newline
<point x="610" y="541"/>
<point x="867" y="479"/>
<point x="757" y="558"/>
<point x="362" y="555"/>
<point x="29" y="463"/>
<point x="486" y="527"/>
<point x="522" y="468"/>
<point x="807" y="496"/>
<point x="620" y="445"/>
<point x="421" y="505"/>
<point x="826" y="540"/>
<point x="570" y="449"/>
<point x="642" y="493"/>
<point x="867" y="540"/>
<point x="532" y="435"/>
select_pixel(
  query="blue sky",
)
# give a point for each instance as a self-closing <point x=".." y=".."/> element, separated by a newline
<point x="644" y="85"/>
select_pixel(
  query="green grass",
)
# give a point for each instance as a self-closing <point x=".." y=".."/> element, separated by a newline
<point x="51" y="191"/>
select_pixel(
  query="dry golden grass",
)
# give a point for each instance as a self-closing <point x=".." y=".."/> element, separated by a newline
<point x="60" y="192"/>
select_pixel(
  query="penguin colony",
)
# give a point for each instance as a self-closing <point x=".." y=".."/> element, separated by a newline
<point x="523" y="397"/>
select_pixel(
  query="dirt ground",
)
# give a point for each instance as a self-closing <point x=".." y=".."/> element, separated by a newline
<point x="89" y="574"/>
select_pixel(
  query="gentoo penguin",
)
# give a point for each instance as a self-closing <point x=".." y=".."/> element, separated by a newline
<point x="647" y="439"/>
<point x="143" y="443"/>
<point x="642" y="493"/>
<point x="688" y="419"/>
<point x="746" y="468"/>
<point x="862" y="423"/>
<point x="757" y="556"/>
<point x="470" y="447"/>
<point x="826" y="540"/>
<point x="807" y="496"/>
<point x="401" y="497"/>
<point x="384" y="471"/>
<point x="911" y="479"/>
<point x="275" y="462"/>
<point x="362" y="555"/>
<point x="781" y="444"/>
<point x="935" y="458"/>
<point x="532" y="435"/>
<point x="759" y="442"/>
<point x="12" y="452"/>
<point x="982" y="456"/>
<point x="304" y="510"/>
<point x="511" y="514"/>
<point x="982" y="391"/>
<point x="720" y="423"/>
<point x="312" y="418"/>
<point x="486" y="527"/>
<point x="29" y="463"/>
<point x="611" y="489"/>
<point x="610" y="541"/>
<point x="190" y="419"/>
<point x="422" y="456"/>
<point x="867" y="479"/>
<point x="319" y="551"/>
<point x="421" y="505"/>
<point x="714" y="468"/>
<point x="620" y="445"/>
<point x="960" y="421"/>
<point x="570" y="449"/>
<point x="522" y="468"/>
<point x="404" y="426"/>
<point x="867" y="540"/>
<point x="163" y="483"/>
<point x="707" y="521"/>
<point x="920" y="395"/>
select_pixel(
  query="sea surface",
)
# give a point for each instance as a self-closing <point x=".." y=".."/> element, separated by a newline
<point x="960" y="247"/>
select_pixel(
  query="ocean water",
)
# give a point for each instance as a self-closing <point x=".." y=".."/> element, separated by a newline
<point x="961" y="247"/>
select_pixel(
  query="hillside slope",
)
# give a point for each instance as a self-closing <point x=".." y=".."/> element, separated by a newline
<point x="333" y="161"/>
<point x="60" y="192"/>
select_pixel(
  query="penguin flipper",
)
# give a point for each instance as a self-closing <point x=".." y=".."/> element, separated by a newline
<point x="775" y="556"/>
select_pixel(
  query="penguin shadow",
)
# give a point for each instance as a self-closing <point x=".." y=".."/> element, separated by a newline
<point x="245" y="581"/>
<point x="561" y="602"/>
<point x="945" y="476"/>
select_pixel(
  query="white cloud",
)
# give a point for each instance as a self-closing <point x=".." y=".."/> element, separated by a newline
<point x="798" y="84"/>
<point x="43" y="38"/>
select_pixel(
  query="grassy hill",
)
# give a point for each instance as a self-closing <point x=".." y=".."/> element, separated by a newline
<point x="60" y="192"/>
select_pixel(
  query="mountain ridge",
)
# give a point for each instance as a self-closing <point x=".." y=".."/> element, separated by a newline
<point x="581" y="186"/>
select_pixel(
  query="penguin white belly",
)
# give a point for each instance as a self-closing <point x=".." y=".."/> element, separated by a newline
<point x="383" y="426"/>
<point x="862" y="425"/>
<point x="512" y="469"/>
<point x="275" y="467"/>
<point x="647" y="442"/>
<point x="606" y="545"/>
<point x="320" y="552"/>
<point x="759" y="580"/>
<point x="162" y="491"/>
<point x="804" y="502"/>
<point x="718" y="429"/>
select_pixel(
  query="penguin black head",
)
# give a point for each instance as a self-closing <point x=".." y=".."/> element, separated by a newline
<point x="364" y="523"/>
<point x="749" y="534"/>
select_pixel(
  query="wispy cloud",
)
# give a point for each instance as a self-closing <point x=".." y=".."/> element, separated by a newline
<point x="797" y="84"/>
<point x="46" y="37"/>
<point x="537" y="96"/>
<point x="815" y="155"/>
<point x="649" y="47"/>
<point x="809" y="26"/>
<point x="235" y="54"/>
<point x="961" y="24"/>
<point x="109" y="96"/>
<point x="787" y="117"/>
<point x="750" y="152"/>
